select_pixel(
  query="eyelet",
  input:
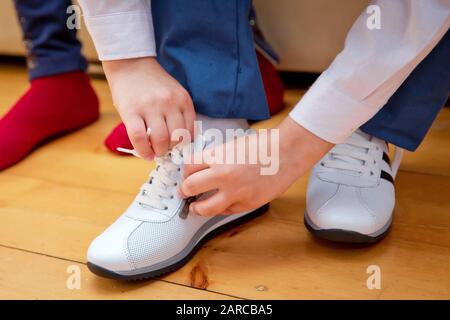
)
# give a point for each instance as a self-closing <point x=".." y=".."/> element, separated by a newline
<point x="179" y="169"/>
<point x="171" y="197"/>
<point x="175" y="184"/>
<point x="166" y="207"/>
<point x="371" y="173"/>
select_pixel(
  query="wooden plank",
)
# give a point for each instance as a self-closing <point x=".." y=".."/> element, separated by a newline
<point x="274" y="251"/>
<point x="26" y="275"/>
<point x="433" y="155"/>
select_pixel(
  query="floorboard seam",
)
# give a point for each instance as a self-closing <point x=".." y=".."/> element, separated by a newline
<point x="84" y="263"/>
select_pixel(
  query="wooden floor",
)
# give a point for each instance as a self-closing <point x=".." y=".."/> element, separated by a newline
<point x="56" y="201"/>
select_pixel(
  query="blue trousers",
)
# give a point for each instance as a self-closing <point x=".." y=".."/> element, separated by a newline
<point x="409" y="113"/>
<point x="51" y="47"/>
<point x="207" y="45"/>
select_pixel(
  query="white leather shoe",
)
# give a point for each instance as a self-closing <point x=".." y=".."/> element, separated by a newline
<point x="156" y="235"/>
<point x="351" y="195"/>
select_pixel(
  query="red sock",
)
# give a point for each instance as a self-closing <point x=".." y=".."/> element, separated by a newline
<point x="273" y="86"/>
<point x="118" y="138"/>
<point x="52" y="106"/>
<point x="274" y="94"/>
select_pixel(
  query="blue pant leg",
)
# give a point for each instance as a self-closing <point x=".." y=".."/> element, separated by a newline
<point x="409" y="113"/>
<point x="207" y="45"/>
<point x="52" y="47"/>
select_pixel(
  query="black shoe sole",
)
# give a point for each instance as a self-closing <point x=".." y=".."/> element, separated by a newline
<point x="143" y="276"/>
<point x="345" y="236"/>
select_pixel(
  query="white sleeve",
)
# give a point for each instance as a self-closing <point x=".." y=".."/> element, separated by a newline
<point x="120" y="29"/>
<point x="372" y="66"/>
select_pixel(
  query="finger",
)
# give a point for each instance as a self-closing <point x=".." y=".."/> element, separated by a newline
<point x="137" y="133"/>
<point x="227" y="212"/>
<point x="174" y="121"/>
<point x="214" y="205"/>
<point x="200" y="182"/>
<point x="195" y="162"/>
<point x="191" y="167"/>
<point x="189" y="120"/>
<point x="235" y="208"/>
<point x="159" y="136"/>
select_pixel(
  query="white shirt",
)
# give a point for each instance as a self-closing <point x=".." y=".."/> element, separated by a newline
<point x="358" y="83"/>
<point x="120" y="29"/>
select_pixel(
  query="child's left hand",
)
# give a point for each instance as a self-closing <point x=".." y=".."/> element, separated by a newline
<point x="146" y="96"/>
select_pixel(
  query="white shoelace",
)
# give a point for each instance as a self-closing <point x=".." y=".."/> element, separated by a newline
<point x="354" y="156"/>
<point x="155" y="191"/>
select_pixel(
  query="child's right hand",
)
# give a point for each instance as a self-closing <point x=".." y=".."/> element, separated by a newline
<point x="146" y="96"/>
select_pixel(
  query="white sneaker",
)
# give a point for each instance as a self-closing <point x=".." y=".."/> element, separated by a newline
<point x="156" y="235"/>
<point x="351" y="195"/>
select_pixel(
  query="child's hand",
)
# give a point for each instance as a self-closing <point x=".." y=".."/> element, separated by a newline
<point x="146" y="96"/>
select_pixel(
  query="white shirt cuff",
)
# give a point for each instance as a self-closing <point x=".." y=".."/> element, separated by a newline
<point x="329" y="113"/>
<point x="122" y="35"/>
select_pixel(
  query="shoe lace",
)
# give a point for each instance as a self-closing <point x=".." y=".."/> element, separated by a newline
<point x="156" y="189"/>
<point x="353" y="156"/>
<point x="153" y="193"/>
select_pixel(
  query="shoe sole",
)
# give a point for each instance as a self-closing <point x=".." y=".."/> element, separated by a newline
<point x="102" y="272"/>
<point x="345" y="236"/>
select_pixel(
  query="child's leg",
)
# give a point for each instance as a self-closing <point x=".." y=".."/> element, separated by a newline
<point x="351" y="206"/>
<point x="52" y="47"/>
<point x="408" y="115"/>
<point x="60" y="97"/>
